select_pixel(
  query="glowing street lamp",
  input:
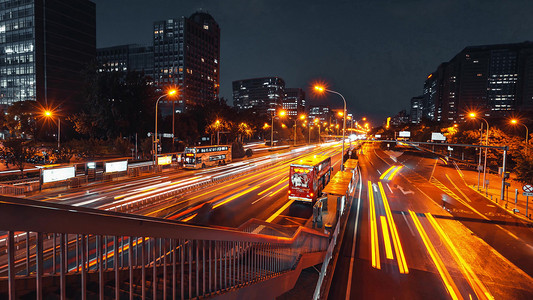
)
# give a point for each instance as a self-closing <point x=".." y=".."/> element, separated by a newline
<point x="514" y="122"/>
<point x="322" y="89"/>
<point x="473" y="115"/>
<point x="302" y="117"/>
<point x="156" y="140"/>
<point x="281" y="113"/>
<point x="50" y="114"/>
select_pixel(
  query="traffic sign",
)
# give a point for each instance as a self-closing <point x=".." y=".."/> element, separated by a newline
<point x="528" y="188"/>
<point x="527" y="194"/>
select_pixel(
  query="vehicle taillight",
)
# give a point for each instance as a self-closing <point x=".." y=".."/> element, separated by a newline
<point x="312" y="194"/>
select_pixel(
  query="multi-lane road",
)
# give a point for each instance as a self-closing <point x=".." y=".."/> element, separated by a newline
<point x="418" y="232"/>
<point x="415" y="231"/>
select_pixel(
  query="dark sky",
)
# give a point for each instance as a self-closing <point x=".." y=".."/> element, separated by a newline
<point x="376" y="53"/>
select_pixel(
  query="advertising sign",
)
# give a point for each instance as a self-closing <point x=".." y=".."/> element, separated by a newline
<point x="116" y="166"/>
<point x="405" y="134"/>
<point x="58" y="174"/>
<point x="437" y="136"/>
<point x="164" y="160"/>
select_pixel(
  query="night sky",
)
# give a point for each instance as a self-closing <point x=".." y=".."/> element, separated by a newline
<point x="376" y="53"/>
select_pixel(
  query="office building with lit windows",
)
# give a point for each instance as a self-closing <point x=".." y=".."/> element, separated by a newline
<point x="496" y="80"/>
<point x="321" y="112"/>
<point x="127" y="58"/>
<point x="294" y="101"/>
<point x="44" y="46"/>
<point x="262" y="96"/>
<point x="187" y="56"/>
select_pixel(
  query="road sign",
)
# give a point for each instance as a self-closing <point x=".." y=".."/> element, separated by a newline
<point x="507" y="184"/>
<point x="528" y="188"/>
<point x="527" y="194"/>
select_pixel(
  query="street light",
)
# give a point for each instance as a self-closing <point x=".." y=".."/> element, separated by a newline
<point x="474" y="116"/>
<point x="322" y="89"/>
<point x="281" y="114"/>
<point x="302" y="117"/>
<point x="50" y="114"/>
<point x="515" y="121"/>
<point x="217" y="123"/>
<point x="156" y="140"/>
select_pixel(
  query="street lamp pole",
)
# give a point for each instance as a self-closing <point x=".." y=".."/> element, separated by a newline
<point x="486" y="143"/>
<point x="515" y="121"/>
<point x="156" y="140"/>
<point x="343" y="125"/>
<point x="58" y="132"/>
<point x="272" y="131"/>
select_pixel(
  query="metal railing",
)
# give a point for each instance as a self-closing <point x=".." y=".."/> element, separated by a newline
<point x="53" y="250"/>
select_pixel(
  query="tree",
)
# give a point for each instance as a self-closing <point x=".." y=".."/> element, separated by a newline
<point x="20" y="119"/>
<point x="524" y="168"/>
<point x="18" y="151"/>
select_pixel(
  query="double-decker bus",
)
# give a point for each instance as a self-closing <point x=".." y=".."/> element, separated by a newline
<point x="308" y="177"/>
<point x="206" y="156"/>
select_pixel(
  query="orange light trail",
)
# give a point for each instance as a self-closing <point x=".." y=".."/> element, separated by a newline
<point x="479" y="288"/>
<point x="374" y="247"/>
<point x="402" y="264"/>
<point x="445" y="276"/>
<point x="386" y="172"/>
<point x="386" y="237"/>
<point x="394" y="172"/>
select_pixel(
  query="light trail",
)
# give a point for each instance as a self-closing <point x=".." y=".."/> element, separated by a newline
<point x="236" y="196"/>
<point x="374" y="246"/>
<point x="445" y="276"/>
<point x="386" y="237"/>
<point x="386" y="172"/>
<point x="479" y="288"/>
<point x="402" y="264"/>
<point x="394" y="172"/>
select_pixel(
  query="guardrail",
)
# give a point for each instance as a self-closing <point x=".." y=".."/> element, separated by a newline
<point x="53" y="250"/>
<point x="326" y="273"/>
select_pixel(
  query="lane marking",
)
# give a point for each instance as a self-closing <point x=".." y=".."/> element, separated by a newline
<point x="281" y="189"/>
<point x="402" y="264"/>
<point x="443" y="272"/>
<point x="350" y="272"/>
<point x="386" y="172"/>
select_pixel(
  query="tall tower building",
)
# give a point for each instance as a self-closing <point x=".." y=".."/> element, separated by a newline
<point x="294" y="101"/>
<point x="44" y="45"/>
<point x="260" y="95"/>
<point x="187" y="56"/>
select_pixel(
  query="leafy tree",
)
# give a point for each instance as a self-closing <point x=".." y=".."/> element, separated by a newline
<point x="18" y="151"/>
<point x="20" y="118"/>
<point x="524" y="168"/>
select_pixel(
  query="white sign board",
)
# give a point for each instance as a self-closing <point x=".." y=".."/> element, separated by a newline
<point x="437" y="136"/>
<point x="164" y="160"/>
<point x="378" y="136"/>
<point x="527" y="194"/>
<point x="58" y="174"/>
<point x="404" y="134"/>
<point x="116" y="166"/>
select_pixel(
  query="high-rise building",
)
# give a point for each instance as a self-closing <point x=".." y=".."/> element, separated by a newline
<point x="321" y="112"/>
<point x="187" y="56"/>
<point x="294" y="101"/>
<point x="494" y="79"/>
<point x="127" y="58"/>
<point x="261" y="96"/>
<point x="416" y="115"/>
<point x="44" y="46"/>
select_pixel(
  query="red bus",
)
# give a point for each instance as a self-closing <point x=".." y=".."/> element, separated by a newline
<point x="308" y="177"/>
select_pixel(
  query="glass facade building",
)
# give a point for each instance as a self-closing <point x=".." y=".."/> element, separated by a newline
<point x="294" y="101"/>
<point x="44" y="45"/>
<point x="260" y="95"/>
<point x="187" y="56"/>
<point x="124" y="58"/>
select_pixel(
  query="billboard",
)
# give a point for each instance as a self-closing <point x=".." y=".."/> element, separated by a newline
<point x="164" y="160"/>
<point x="116" y="166"/>
<point x="437" y="136"/>
<point x="58" y="174"/>
<point x="405" y="134"/>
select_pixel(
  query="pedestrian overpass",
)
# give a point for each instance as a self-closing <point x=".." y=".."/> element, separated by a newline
<point x="52" y="250"/>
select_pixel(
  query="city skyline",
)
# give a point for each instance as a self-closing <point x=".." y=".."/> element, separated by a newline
<point x="391" y="62"/>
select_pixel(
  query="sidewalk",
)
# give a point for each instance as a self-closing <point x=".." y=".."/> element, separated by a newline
<point x="493" y="192"/>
